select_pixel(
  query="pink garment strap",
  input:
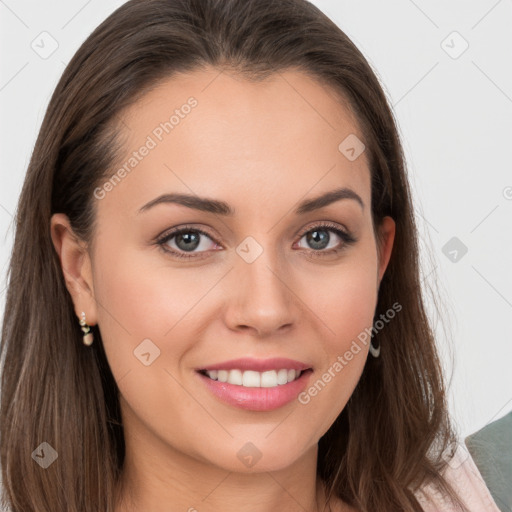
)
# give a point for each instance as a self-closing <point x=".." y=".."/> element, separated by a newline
<point x="467" y="481"/>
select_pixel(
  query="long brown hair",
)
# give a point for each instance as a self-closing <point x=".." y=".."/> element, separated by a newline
<point x="390" y="436"/>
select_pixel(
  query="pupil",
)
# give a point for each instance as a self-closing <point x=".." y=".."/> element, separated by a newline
<point x="188" y="238"/>
<point x="317" y="241"/>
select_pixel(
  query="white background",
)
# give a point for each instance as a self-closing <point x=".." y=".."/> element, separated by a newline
<point x="455" y="118"/>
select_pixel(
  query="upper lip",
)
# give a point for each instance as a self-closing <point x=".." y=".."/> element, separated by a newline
<point x="258" y="365"/>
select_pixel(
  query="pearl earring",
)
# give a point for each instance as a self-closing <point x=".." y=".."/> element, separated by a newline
<point x="88" y="336"/>
<point x="374" y="351"/>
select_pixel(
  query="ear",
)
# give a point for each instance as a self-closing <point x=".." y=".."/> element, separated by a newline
<point x="386" y="237"/>
<point x="76" y="267"/>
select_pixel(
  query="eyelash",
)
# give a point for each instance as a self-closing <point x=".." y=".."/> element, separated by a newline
<point x="345" y="237"/>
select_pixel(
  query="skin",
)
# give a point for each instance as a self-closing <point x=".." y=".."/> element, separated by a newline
<point x="262" y="148"/>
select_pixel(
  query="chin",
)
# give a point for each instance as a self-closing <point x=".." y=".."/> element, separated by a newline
<point x="257" y="455"/>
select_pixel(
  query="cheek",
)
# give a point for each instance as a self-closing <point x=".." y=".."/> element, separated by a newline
<point x="345" y="308"/>
<point x="144" y="310"/>
<point x="141" y="296"/>
<point x="344" y="297"/>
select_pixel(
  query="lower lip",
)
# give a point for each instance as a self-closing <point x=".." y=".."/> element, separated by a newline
<point x="257" y="399"/>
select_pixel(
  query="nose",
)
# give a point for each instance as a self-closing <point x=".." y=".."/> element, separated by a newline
<point x="261" y="297"/>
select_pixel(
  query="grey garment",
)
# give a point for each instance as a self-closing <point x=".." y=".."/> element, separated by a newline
<point x="491" y="449"/>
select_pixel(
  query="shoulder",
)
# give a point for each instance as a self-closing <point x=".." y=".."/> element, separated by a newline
<point x="491" y="449"/>
<point x="462" y="473"/>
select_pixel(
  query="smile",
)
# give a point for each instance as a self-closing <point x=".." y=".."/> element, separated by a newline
<point x="254" y="379"/>
<point x="255" y="390"/>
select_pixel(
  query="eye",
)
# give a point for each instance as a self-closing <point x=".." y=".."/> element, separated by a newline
<point x="321" y="242"/>
<point x="191" y="242"/>
<point x="185" y="240"/>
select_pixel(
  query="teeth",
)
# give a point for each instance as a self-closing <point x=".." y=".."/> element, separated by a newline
<point x="252" y="379"/>
<point x="249" y="379"/>
<point x="235" y="377"/>
<point x="282" y="376"/>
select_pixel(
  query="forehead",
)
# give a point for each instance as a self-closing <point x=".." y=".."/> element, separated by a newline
<point x="214" y="133"/>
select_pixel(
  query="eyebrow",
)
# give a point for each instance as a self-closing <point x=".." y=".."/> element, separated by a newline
<point x="222" y="208"/>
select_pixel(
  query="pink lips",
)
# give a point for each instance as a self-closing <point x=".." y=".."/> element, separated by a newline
<point x="258" y="365"/>
<point x="257" y="399"/>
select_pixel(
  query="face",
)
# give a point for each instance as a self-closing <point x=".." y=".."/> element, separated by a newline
<point x="256" y="271"/>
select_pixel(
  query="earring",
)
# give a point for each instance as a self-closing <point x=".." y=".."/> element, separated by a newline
<point x="374" y="351"/>
<point x="88" y="336"/>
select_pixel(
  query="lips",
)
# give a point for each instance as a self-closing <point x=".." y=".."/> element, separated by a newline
<point x="258" y="365"/>
<point x="257" y="398"/>
<point x="247" y="391"/>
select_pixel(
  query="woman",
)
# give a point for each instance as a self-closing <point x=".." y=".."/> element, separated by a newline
<point x="214" y="297"/>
